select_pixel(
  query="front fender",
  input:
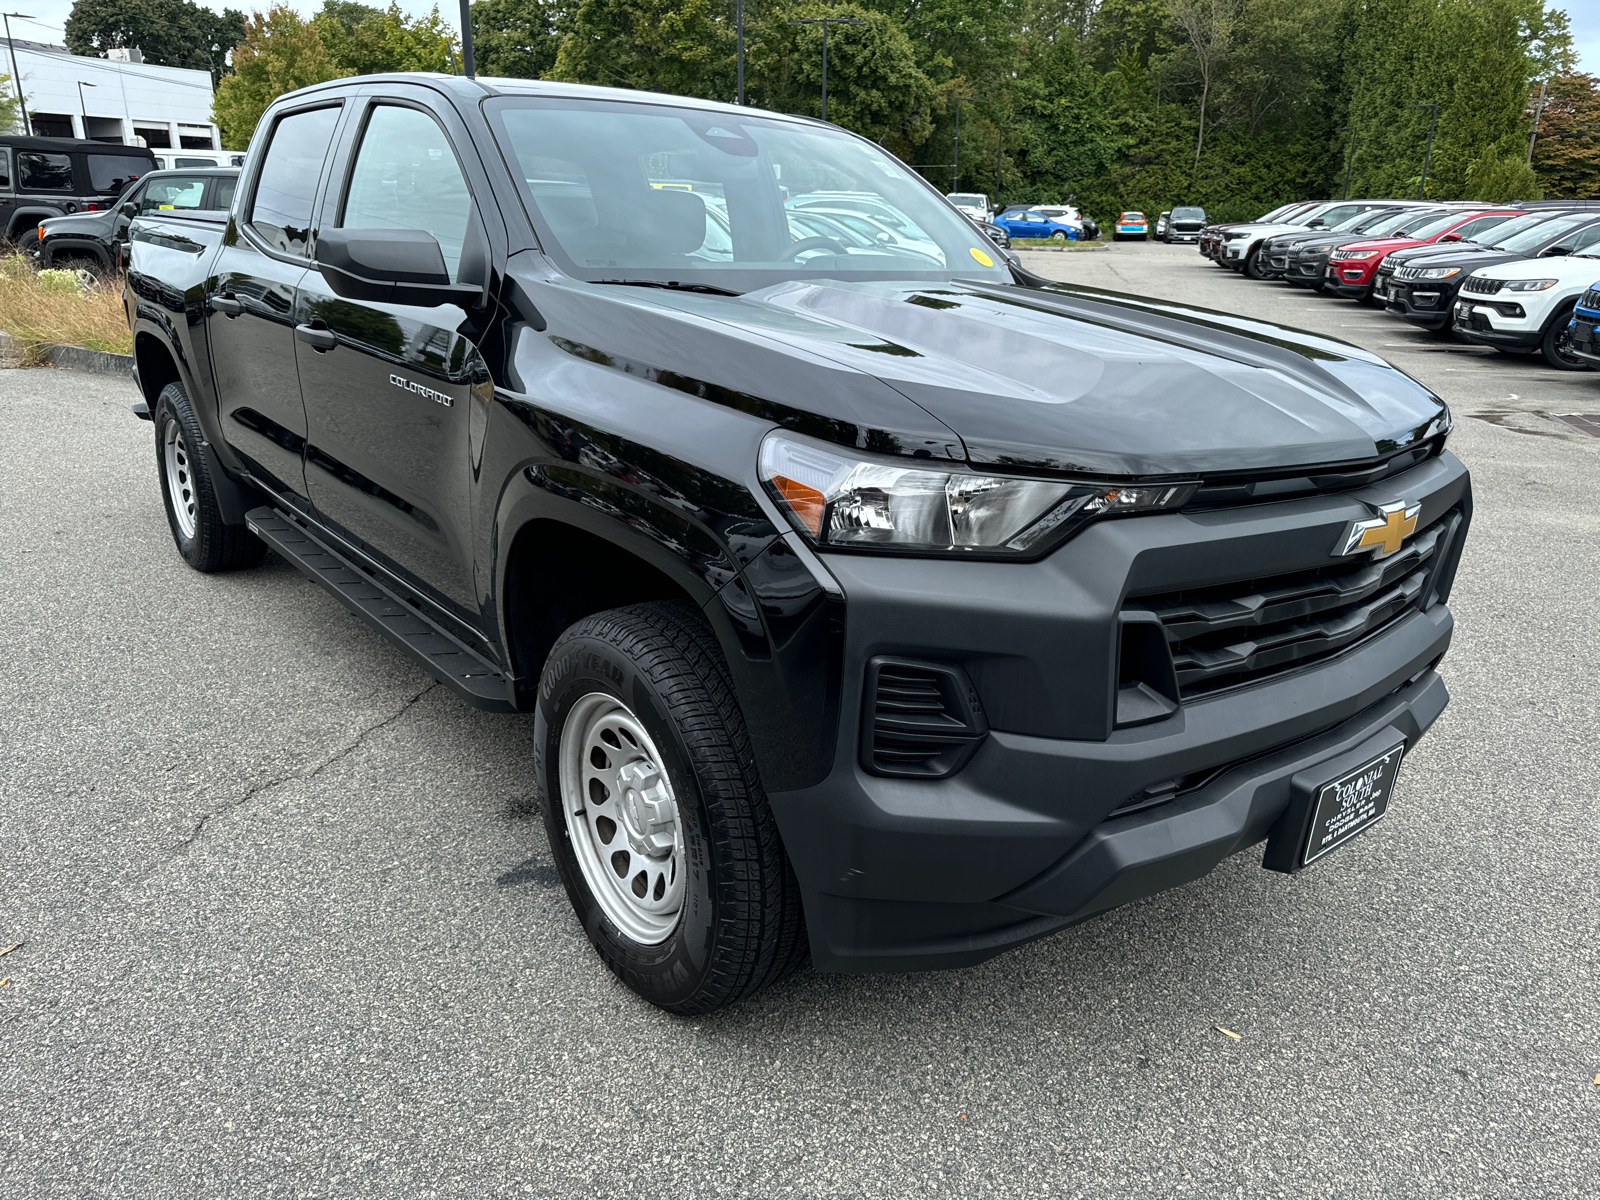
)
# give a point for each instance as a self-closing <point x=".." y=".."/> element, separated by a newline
<point x="52" y="246"/>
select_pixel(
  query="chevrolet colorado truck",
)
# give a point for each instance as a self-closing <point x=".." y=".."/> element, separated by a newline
<point x="891" y="607"/>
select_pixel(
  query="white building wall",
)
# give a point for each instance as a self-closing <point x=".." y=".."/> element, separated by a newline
<point x="124" y="99"/>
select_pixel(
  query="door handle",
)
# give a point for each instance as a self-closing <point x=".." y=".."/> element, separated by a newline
<point x="226" y="305"/>
<point x="320" y="340"/>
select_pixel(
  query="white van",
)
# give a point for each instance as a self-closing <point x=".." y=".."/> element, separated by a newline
<point x="168" y="160"/>
<point x="973" y="204"/>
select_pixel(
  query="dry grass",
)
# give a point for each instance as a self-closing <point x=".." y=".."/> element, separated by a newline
<point x="41" y="311"/>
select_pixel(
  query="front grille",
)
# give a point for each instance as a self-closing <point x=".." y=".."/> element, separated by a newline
<point x="1386" y="268"/>
<point x="1590" y="300"/>
<point x="920" y="719"/>
<point x="1481" y="286"/>
<point x="1409" y="272"/>
<point x="1229" y="634"/>
<point x="1220" y="491"/>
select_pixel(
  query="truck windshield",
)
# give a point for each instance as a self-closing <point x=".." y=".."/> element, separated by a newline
<point x="670" y="193"/>
<point x="1188" y="214"/>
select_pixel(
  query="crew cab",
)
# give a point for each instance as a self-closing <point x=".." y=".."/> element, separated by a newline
<point x="1353" y="268"/>
<point x="886" y="612"/>
<point x="44" y="177"/>
<point x="1421" y="285"/>
<point x="1184" y="224"/>
<point x="1527" y="306"/>
<point x="97" y="241"/>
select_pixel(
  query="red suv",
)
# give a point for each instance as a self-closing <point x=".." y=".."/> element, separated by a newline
<point x="1352" y="268"/>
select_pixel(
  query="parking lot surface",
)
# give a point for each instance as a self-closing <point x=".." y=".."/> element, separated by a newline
<point x="284" y="935"/>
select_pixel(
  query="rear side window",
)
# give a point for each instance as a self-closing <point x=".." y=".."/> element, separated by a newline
<point x="38" y="172"/>
<point x="1473" y="228"/>
<point x="406" y="177"/>
<point x="281" y="212"/>
<point x="5" y="169"/>
<point x="222" y="197"/>
<point x="174" y="193"/>
<point x="1584" y="238"/>
<point x="109" y="174"/>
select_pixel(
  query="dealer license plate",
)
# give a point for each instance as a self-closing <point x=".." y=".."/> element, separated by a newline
<point x="1345" y="806"/>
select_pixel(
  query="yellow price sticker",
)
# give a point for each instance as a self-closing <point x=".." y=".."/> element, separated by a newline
<point x="981" y="256"/>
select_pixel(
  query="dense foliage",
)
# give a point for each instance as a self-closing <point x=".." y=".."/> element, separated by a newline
<point x="1232" y="104"/>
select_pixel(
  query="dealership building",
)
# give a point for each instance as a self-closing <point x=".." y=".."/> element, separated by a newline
<point x="118" y="99"/>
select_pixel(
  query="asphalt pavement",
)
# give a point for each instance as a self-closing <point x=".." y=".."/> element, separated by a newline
<point x="284" y="934"/>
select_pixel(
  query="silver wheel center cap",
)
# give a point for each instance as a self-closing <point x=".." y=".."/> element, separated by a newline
<point x="648" y="812"/>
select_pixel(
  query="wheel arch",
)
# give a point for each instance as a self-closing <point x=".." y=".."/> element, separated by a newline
<point x="25" y="217"/>
<point x="51" y="248"/>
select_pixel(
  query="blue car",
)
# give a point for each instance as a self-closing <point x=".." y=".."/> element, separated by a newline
<point x="1025" y="223"/>
<point x="1584" y="340"/>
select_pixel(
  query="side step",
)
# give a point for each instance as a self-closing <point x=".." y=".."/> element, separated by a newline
<point x="467" y="673"/>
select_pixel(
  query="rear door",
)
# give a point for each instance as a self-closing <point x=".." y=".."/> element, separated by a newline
<point x="252" y="292"/>
<point x="389" y="387"/>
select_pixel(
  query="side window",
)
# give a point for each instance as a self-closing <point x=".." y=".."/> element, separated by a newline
<point x="176" y="192"/>
<point x="5" y="169"/>
<point x="281" y="212"/>
<point x="1584" y="238"/>
<point x="406" y="176"/>
<point x="1473" y="228"/>
<point x="222" y="195"/>
<point x="43" y="172"/>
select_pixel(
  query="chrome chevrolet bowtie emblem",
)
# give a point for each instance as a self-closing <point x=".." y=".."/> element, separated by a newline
<point x="1385" y="533"/>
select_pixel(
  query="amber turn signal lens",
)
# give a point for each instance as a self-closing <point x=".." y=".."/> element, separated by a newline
<point x="804" y="501"/>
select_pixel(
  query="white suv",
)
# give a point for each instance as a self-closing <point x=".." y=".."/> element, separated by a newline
<point x="1526" y="306"/>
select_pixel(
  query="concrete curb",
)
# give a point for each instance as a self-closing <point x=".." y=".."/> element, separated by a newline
<point x="74" y="358"/>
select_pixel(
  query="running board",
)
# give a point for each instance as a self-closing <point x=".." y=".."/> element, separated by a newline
<point x="471" y="676"/>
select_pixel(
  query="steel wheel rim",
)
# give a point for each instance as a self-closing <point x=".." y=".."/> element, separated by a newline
<point x="622" y="818"/>
<point x="180" y="479"/>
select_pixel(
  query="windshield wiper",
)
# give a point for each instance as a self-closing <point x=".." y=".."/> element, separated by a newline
<point x="672" y="285"/>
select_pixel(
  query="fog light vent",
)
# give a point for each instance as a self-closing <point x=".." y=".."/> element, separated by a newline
<point x="920" y="719"/>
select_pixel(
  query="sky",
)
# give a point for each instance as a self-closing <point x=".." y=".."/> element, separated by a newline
<point x="52" y="15"/>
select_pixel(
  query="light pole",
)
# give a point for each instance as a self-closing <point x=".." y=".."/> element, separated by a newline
<point x="999" y="159"/>
<point x="468" y="65"/>
<point x="738" y="27"/>
<point x="825" y="22"/>
<point x="1350" y="153"/>
<point x="1427" y="154"/>
<point x="955" y="167"/>
<point x="1538" y="111"/>
<point x="82" y="104"/>
<point x="16" y="75"/>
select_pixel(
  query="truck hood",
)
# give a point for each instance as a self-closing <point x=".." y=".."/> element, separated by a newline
<point x="1080" y="380"/>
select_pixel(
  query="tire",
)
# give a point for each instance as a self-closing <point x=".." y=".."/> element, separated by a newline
<point x="684" y="888"/>
<point x="1058" y="236"/>
<point x="1252" y="266"/>
<point x="29" y="239"/>
<point x="1553" y="346"/>
<point x="204" y="540"/>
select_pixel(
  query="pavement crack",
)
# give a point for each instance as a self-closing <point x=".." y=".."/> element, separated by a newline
<point x="182" y="848"/>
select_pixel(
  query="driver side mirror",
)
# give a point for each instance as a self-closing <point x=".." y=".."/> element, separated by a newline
<point x="397" y="266"/>
<point x="1451" y="237"/>
<point x="1556" y="252"/>
<point x="883" y="237"/>
<point x="130" y="209"/>
<point x="1314" y="223"/>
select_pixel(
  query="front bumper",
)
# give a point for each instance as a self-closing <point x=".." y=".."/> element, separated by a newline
<point x="913" y="874"/>
<point x="1585" y="342"/>
<point x="1427" y="303"/>
<point x="1350" y="280"/>
<point x="1495" y="322"/>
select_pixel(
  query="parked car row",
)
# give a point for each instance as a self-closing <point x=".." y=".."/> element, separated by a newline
<point x="1521" y="281"/>
<point x="97" y="240"/>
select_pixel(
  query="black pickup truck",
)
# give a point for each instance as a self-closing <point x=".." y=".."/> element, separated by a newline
<point x="888" y="604"/>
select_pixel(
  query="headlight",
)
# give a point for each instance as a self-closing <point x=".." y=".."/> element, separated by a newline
<point x="1354" y="255"/>
<point x="839" y="500"/>
<point x="1530" y="285"/>
<point x="1438" y="272"/>
<point x="1229" y="237"/>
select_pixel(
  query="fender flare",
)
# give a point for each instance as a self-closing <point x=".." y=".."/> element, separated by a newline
<point x="24" y="217"/>
<point x="51" y="246"/>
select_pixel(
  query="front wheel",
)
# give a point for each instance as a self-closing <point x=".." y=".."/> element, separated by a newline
<point x="205" y="541"/>
<point x="656" y="817"/>
<point x="1556" y="345"/>
<point x="1058" y="236"/>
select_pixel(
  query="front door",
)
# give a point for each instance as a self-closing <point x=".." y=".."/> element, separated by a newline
<point x="387" y="386"/>
<point x="252" y="297"/>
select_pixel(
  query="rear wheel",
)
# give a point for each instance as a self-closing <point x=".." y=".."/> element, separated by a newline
<point x="1555" y="346"/>
<point x="657" y="819"/>
<point x="204" y="540"/>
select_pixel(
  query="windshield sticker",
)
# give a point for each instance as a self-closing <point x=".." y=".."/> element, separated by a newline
<point x="981" y="256"/>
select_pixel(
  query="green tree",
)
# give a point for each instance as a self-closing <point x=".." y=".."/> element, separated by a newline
<point x="172" y="33"/>
<point x="516" y="38"/>
<point x="1501" y="174"/>
<point x="683" y="47"/>
<point x="363" y="40"/>
<point x="10" y="114"/>
<point x="875" y="86"/>
<point x="280" y="53"/>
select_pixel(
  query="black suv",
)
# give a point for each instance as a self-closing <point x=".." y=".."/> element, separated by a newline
<point x="97" y="241"/>
<point x="1184" y="224"/>
<point x="1422" y="286"/>
<point x="886" y="601"/>
<point x="50" y="177"/>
